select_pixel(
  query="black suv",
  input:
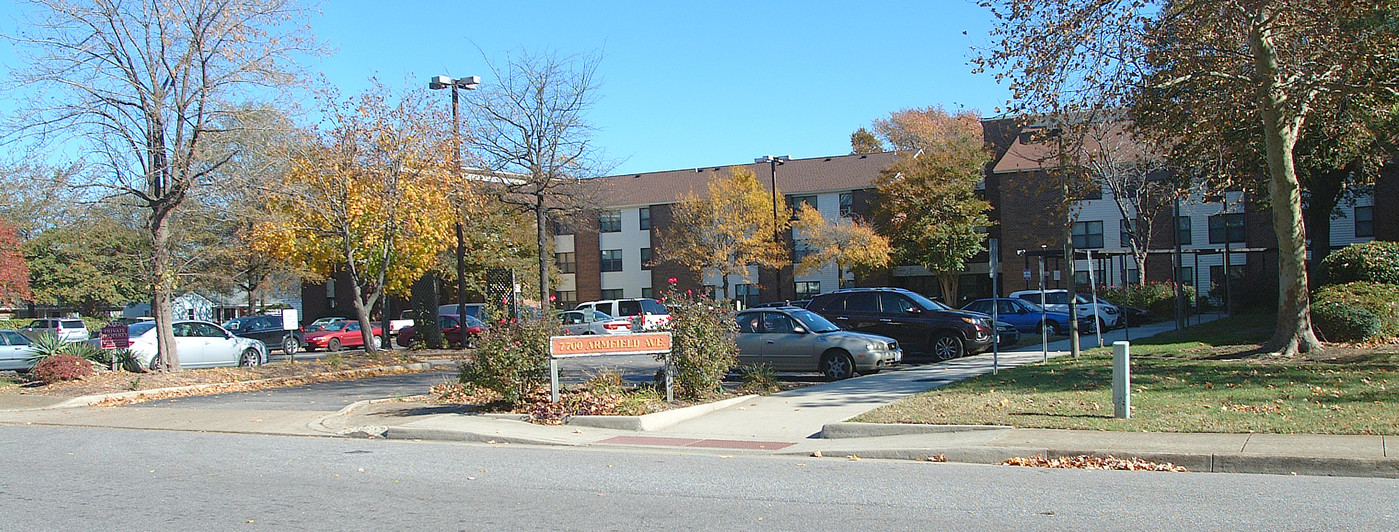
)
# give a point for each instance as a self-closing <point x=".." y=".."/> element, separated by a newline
<point x="269" y="330"/>
<point x="923" y="327"/>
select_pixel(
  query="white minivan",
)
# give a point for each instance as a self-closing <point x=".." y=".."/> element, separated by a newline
<point x="646" y="314"/>
<point x="1058" y="301"/>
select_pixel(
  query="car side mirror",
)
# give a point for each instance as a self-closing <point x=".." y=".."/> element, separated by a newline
<point x="915" y="310"/>
<point x="799" y="330"/>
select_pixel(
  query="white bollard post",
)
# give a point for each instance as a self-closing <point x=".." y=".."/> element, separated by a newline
<point x="1121" y="380"/>
<point x="553" y="380"/>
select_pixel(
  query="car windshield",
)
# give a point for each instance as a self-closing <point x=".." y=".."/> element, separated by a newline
<point x="138" y="329"/>
<point x="926" y="303"/>
<point x="814" y="322"/>
<point x="233" y="325"/>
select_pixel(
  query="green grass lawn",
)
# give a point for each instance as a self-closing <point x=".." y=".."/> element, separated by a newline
<point x="1203" y="379"/>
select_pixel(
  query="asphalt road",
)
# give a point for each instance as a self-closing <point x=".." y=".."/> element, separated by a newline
<point x="84" y="478"/>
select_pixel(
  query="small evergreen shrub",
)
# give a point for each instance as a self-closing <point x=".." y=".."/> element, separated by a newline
<point x="1338" y="322"/>
<point x="1376" y="262"/>
<point x="512" y="357"/>
<point x="61" y="367"/>
<point x="1379" y="300"/>
<point x="703" y="345"/>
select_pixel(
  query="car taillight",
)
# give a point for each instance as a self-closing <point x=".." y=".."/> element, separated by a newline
<point x="615" y="326"/>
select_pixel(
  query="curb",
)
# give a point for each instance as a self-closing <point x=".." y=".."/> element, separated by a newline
<point x="654" y="421"/>
<point x="1195" y="463"/>
<point x="832" y="431"/>
<point x="91" y="400"/>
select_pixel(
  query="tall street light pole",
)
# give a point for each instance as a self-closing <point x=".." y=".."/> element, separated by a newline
<point x="773" y="161"/>
<point x="467" y="83"/>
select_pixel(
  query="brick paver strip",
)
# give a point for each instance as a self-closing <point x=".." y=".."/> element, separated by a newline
<point x="691" y="442"/>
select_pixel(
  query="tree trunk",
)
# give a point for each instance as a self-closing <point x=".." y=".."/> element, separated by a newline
<point x="162" y="287"/>
<point x="1293" y="333"/>
<point x="541" y="236"/>
<point x="1323" y="194"/>
<point x="366" y="329"/>
<point x="947" y="281"/>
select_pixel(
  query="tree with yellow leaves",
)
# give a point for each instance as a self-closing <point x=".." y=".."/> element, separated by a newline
<point x="368" y="195"/>
<point x="849" y="244"/>
<point x="728" y="231"/>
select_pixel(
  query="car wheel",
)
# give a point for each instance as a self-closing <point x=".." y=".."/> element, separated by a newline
<point x="290" y="345"/>
<point x="251" y="357"/>
<point x="946" y="346"/>
<point x="333" y="345"/>
<point x="1050" y="327"/>
<point x="155" y="363"/>
<point x="837" y="365"/>
<point x="374" y="341"/>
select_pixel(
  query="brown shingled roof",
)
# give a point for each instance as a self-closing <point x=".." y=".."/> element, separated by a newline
<point x="797" y="176"/>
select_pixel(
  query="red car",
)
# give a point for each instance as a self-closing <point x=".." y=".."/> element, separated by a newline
<point x="450" y="331"/>
<point x="338" y="335"/>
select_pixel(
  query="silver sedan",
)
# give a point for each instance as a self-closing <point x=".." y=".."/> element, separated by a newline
<point x="793" y="339"/>
<point x="200" y="344"/>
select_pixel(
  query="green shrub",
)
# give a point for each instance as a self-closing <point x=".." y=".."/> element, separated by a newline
<point x="61" y="367"/>
<point x="1380" y="300"/>
<point x="512" y="357"/>
<point x="1338" y="322"/>
<point x="759" y="379"/>
<point x="1157" y="298"/>
<point x="1376" y="262"/>
<point x="703" y="347"/>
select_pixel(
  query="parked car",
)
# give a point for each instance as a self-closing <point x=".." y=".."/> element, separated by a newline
<point x="404" y="320"/>
<point x="321" y="323"/>
<point x="800" y="303"/>
<point x="1027" y="317"/>
<point x="922" y="326"/>
<point x="795" y="339"/>
<point x="268" y="330"/>
<point x="66" y="329"/>
<point x="1058" y="301"/>
<point x="647" y="314"/>
<point x="1007" y="333"/>
<point x="451" y="333"/>
<point x="593" y="322"/>
<point x="199" y="344"/>
<point x="472" y="309"/>
<point x="15" y="351"/>
<point x="339" y="335"/>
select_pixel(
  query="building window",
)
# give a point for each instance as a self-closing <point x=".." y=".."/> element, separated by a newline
<point x="847" y="204"/>
<point x="800" y="249"/>
<point x="646" y="292"/>
<point x="746" y="293"/>
<point x="1187" y="275"/>
<point x="1226" y="226"/>
<point x="1364" y="221"/>
<point x="645" y="218"/>
<point x="1183" y="230"/>
<point x="565" y="299"/>
<point x="610" y="260"/>
<point x="1126" y="230"/>
<point x="612" y="293"/>
<point x="609" y="222"/>
<point x="645" y="258"/>
<point x="808" y="289"/>
<point x="567" y="262"/>
<point x="1088" y="235"/>
<point x="562" y="227"/>
<point x="796" y="202"/>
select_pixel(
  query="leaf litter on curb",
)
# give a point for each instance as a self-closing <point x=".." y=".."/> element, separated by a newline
<point x="1084" y="461"/>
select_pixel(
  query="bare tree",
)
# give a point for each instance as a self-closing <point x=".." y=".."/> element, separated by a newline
<point x="529" y="128"/>
<point x="1137" y="177"/>
<point x="144" y="83"/>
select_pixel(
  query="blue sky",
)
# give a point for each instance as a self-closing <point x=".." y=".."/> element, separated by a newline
<point x="686" y="84"/>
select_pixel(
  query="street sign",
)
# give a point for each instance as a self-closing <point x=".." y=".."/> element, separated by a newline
<point x="622" y="344"/>
<point x="1027" y="275"/>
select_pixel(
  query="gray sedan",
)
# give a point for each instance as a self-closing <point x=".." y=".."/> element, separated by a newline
<point x="793" y="339"/>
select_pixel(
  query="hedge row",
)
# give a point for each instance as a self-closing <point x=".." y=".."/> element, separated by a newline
<point x="1356" y="311"/>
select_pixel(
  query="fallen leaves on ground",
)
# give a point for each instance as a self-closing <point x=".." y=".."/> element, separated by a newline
<point x="248" y="386"/>
<point x="1084" y="461"/>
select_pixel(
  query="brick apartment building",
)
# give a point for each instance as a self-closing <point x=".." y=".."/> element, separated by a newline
<point x="607" y="254"/>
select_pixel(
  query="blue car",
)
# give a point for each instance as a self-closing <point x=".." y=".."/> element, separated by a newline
<point x="1024" y="315"/>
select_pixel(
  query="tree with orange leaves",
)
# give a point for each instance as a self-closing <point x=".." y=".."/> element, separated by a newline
<point x="369" y="195"/>
<point x="14" y="274"/>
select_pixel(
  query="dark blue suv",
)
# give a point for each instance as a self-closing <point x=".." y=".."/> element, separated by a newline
<point x="923" y="327"/>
